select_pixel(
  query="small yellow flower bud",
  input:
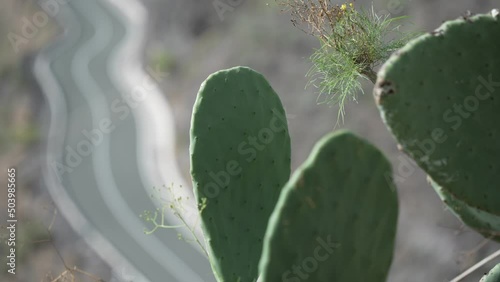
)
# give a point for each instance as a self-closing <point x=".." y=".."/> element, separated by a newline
<point x="343" y="7"/>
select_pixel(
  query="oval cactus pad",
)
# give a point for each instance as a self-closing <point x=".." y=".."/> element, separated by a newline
<point x="240" y="160"/>
<point x="336" y="218"/>
<point x="440" y="97"/>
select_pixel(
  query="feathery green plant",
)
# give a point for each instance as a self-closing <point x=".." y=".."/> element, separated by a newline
<point x="353" y="43"/>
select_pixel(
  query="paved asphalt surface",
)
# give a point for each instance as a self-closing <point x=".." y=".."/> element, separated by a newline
<point x="110" y="140"/>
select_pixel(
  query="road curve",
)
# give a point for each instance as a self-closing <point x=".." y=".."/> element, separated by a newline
<point x="101" y="185"/>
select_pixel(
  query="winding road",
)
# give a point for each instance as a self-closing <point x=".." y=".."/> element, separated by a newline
<point x="111" y="140"/>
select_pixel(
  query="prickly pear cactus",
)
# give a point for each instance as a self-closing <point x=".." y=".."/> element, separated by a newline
<point x="336" y="217"/>
<point x="493" y="275"/>
<point x="486" y="223"/>
<point x="240" y="160"/>
<point x="440" y="97"/>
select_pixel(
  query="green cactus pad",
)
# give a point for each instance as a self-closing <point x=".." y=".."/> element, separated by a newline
<point x="440" y="97"/>
<point x="493" y="275"/>
<point x="336" y="217"/>
<point x="485" y="223"/>
<point x="240" y="160"/>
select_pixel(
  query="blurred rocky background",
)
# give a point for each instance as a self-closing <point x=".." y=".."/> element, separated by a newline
<point x="190" y="39"/>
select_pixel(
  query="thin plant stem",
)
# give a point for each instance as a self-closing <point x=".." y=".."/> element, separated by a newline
<point x="476" y="266"/>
